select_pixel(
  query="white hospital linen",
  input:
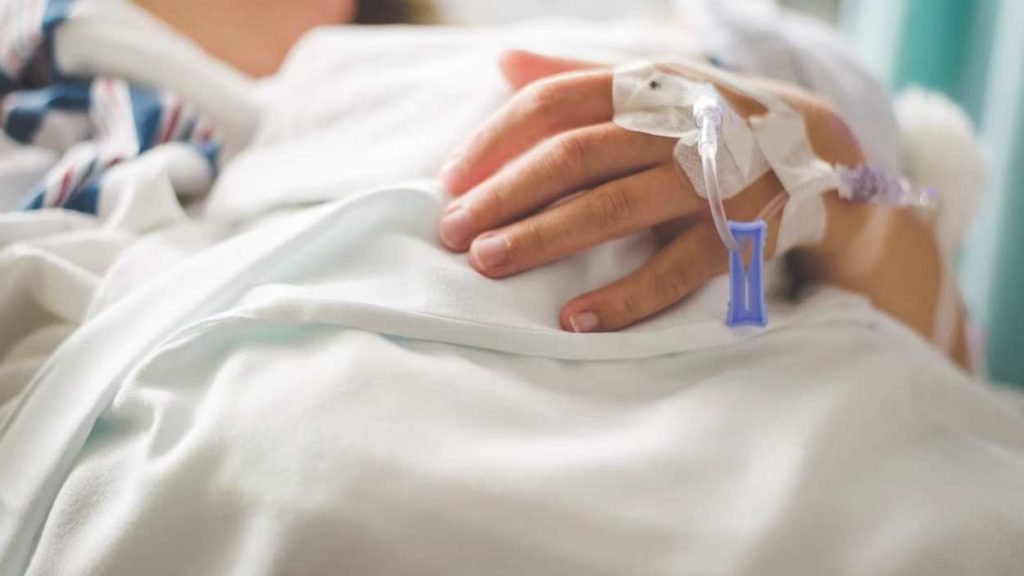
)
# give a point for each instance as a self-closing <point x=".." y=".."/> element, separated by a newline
<point x="20" y="168"/>
<point x="333" y="392"/>
<point x="58" y="269"/>
<point x="351" y="413"/>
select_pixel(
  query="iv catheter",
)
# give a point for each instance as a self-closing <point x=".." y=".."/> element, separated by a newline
<point x="746" y="301"/>
<point x="733" y="153"/>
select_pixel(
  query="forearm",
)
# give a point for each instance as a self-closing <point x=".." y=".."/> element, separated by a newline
<point x="890" y="255"/>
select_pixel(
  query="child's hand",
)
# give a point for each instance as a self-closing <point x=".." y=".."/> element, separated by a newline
<point x="551" y="175"/>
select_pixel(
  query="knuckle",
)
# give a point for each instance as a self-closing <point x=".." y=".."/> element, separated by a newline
<point x="569" y="153"/>
<point x="708" y="256"/>
<point x="831" y="134"/>
<point x="488" y="207"/>
<point x="633" y="307"/>
<point x="829" y="120"/>
<point x="532" y="238"/>
<point x="613" y="207"/>
<point x="671" y="285"/>
<point x="545" y="102"/>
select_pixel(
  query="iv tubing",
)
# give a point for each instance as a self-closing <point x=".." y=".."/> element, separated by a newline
<point x="708" y="114"/>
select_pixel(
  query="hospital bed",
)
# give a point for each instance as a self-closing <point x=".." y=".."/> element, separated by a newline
<point x="289" y="374"/>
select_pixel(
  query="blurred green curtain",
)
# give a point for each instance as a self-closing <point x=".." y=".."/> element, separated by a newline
<point x="972" y="50"/>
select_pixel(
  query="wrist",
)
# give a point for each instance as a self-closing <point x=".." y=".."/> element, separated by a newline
<point x="855" y="240"/>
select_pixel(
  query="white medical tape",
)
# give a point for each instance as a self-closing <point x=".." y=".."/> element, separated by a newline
<point x="653" y="100"/>
<point x="658" y="99"/>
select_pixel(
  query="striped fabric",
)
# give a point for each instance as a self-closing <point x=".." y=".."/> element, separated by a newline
<point x="96" y="123"/>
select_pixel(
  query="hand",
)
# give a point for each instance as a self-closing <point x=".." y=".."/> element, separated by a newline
<point x="550" y="175"/>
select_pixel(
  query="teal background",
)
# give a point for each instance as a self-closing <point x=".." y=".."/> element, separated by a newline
<point x="973" y="51"/>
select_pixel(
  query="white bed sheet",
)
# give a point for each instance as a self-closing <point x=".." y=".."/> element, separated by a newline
<point x="332" y="391"/>
<point x="313" y="407"/>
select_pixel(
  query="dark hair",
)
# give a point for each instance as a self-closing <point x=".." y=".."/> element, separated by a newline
<point x="395" y="12"/>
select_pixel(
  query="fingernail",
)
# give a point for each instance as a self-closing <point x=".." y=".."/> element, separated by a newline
<point x="491" y="252"/>
<point x="584" y="322"/>
<point x="456" y="229"/>
<point x="453" y="206"/>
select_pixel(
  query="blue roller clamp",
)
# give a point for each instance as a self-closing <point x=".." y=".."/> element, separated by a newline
<point x="746" y="299"/>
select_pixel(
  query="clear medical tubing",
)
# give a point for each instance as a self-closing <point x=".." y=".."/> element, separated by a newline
<point x="707" y="111"/>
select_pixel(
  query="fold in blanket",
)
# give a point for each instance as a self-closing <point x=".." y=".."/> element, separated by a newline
<point x="95" y="122"/>
<point x="327" y="389"/>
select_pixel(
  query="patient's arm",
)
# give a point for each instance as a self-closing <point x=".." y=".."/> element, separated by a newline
<point x="516" y="207"/>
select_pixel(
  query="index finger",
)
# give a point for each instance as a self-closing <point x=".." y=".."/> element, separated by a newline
<point x="538" y="112"/>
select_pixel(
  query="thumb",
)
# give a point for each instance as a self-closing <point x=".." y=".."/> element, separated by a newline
<point x="522" y="68"/>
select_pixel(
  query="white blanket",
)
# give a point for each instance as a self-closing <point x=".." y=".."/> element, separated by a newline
<point x="330" y="391"/>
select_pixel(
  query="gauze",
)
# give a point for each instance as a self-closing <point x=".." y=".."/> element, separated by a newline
<point x="658" y="99"/>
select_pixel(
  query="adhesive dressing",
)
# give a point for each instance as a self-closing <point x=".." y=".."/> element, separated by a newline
<point x="722" y="154"/>
<point x="654" y="101"/>
<point x="658" y="99"/>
